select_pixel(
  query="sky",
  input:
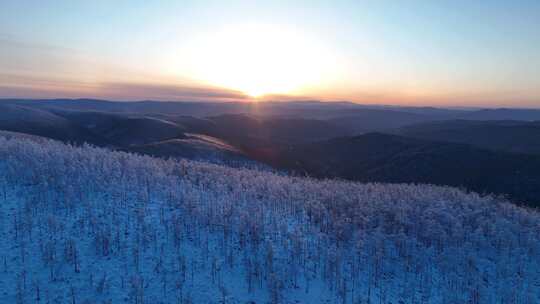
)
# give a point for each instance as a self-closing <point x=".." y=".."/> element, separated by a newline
<point x="441" y="53"/>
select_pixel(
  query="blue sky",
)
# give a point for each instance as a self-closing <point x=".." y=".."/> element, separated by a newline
<point x="401" y="52"/>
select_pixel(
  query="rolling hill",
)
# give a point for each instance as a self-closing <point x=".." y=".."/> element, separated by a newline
<point x="377" y="157"/>
<point x="42" y="123"/>
<point x="503" y="114"/>
<point x="124" y="130"/>
<point x="510" y="136"/>
<point x="197" y="147"/>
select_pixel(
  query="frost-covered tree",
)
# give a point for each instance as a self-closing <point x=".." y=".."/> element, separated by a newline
<point x="87" y="225"/>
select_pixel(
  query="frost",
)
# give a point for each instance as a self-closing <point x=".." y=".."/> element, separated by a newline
<point x="88" y="225"/>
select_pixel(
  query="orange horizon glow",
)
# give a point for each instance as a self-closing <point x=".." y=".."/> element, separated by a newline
<point x="372" y="53"/>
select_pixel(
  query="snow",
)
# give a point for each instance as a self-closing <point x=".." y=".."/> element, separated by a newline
<point x="88" y="225"/>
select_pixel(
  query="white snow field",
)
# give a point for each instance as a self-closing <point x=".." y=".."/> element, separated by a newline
<point x="88" y="225"/>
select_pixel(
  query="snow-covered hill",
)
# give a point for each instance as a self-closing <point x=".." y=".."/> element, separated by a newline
<point x="87" y="225"/>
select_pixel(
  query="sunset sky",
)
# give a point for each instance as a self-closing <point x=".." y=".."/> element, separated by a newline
<point x="451" y="53"/>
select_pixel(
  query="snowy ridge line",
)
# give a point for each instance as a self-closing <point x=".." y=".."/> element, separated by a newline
<point x="84" y="224"/>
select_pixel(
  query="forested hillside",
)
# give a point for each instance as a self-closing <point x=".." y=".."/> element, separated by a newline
<point x="511" y="136"/>
<point x="88" y="225"/>
<point x="377" y="157"/>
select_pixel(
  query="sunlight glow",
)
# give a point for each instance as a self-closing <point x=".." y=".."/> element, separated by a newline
<point x="259" y="60"/>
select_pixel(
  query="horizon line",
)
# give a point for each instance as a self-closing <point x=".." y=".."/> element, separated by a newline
<point x="262" y="101"/>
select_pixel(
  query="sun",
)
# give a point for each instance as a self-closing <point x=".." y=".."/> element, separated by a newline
<point x="255" y="93"/>
<point x="258" y="60"/>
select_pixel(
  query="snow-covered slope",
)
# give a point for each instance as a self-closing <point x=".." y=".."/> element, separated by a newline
<point x="87" y="225"/>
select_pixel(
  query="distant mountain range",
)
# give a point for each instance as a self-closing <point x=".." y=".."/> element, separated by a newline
<point x="494" y="150"/>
